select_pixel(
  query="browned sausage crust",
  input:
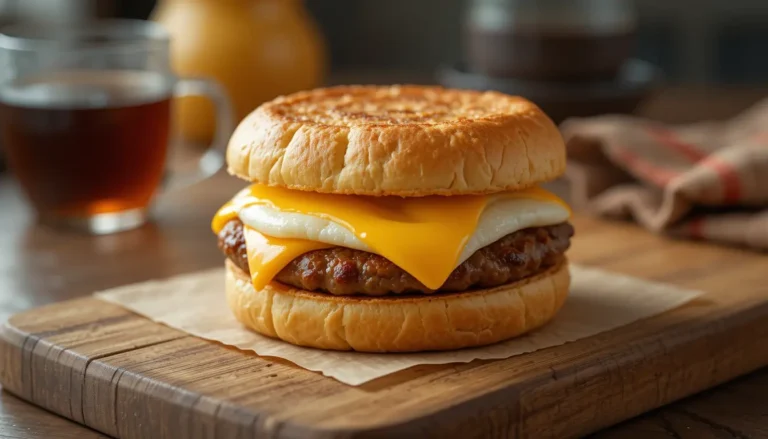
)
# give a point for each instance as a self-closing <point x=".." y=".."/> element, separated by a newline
<point x="344" y="271"/>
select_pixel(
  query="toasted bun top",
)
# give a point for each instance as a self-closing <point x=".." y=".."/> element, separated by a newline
<point x="397" y="140"/>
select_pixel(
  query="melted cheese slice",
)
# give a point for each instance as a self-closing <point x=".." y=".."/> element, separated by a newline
<point x="268" y="255"/>
<point x="427" y="237"/>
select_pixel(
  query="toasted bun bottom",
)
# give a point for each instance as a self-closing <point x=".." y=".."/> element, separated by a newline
<point x="397" y="324"/>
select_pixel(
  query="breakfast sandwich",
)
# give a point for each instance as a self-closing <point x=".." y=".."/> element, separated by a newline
<point x="395" y="219"/>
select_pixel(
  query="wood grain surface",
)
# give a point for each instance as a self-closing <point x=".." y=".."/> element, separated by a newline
<point x="39" y="266"/>
<point x="129" y="377"/>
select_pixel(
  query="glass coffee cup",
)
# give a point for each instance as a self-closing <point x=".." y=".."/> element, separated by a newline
<point x="85" y="119"/>
<point x="549" y="40"/>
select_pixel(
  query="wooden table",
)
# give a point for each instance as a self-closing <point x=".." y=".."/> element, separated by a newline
<point x="39" y="266"/>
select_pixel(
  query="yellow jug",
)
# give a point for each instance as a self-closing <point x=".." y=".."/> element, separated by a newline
<point x="257" y="49"/>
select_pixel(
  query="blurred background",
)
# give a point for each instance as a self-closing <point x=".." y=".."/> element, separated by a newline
<point x="574" y="58"/>
<point x="692" y="41"/>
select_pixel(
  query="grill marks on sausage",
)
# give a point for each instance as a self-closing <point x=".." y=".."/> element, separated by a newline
<point x="344" y="271"/>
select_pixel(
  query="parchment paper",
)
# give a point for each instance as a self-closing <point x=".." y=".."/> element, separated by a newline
<point x="599" y="301"/>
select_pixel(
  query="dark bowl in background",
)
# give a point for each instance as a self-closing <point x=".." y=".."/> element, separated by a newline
<point x="635" y="80"/>
<point x="549" y="40"/>
<point x="557" y="56"/>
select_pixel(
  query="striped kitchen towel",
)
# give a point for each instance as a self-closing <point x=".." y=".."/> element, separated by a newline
<point x="705" y="181"/>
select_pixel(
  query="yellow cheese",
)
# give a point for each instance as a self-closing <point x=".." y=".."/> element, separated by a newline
<point x="424" y="236"/>
<point x="268" y="255"/>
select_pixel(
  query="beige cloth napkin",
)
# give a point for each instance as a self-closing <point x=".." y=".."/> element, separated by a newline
<point x="705" y="181"/>
<point x="195" y="303"/>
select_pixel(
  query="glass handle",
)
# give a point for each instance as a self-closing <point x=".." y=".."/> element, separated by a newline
<point x="214" y="158"/>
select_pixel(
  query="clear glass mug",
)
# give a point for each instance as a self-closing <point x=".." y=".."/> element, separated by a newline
<point x="85" y="119"/>
<point x="549" y="40"/>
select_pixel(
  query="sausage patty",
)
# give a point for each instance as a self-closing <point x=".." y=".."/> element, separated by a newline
<point x="344" y="271"/>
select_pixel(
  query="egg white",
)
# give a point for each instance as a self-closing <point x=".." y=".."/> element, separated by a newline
<point x="501" y="217"/>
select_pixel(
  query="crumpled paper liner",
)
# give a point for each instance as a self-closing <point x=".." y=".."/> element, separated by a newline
<point x="194" y="303"/>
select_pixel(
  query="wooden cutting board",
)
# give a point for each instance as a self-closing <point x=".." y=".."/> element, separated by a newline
<point x="126" y="376"/>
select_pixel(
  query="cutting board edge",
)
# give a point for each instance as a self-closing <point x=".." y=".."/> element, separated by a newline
<point x="17" y="343"/>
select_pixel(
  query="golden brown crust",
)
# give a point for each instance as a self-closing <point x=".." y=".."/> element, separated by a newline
<point x="397" y="140"/>
<point x="397" y="324"/>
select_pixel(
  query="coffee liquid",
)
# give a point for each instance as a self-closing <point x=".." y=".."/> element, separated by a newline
<point x="88" y="142"/>
<point x="549" y="54"/>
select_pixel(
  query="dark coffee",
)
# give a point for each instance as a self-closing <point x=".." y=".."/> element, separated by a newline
<point x="84" y="143"/>
<point x="548" y="54"/>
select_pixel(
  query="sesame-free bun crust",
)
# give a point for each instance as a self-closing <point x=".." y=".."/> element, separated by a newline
<point x="397" y="324"/>
<point x="397" y="140"/>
